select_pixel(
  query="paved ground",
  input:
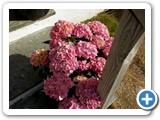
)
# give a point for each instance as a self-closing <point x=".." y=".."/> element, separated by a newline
<point x="37" y="101"/>
<point x="21" y="74"/>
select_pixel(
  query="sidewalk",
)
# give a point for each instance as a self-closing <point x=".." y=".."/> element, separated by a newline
<point x="21" y="74"/>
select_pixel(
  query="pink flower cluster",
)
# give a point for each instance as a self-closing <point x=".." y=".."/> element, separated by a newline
<point x="77" y="53"/>
<point x="39" y="57"/>
<point x="86" y="50"/>
<point x="62" y="29"/>
<point x="63" y="59"/>
<point x="70" y="103"/>
<point x="57" y="86"/>
<point x="107" y="46"/>
<point x="83" y="65"/>
<point x="87" y="97"/>
<point x="99" y="29"/>
<point x="82" y="30"/>
<point x="98" y="41"/>
<point x="86" y="91"/>
<point x="97" y="65"/>
<point x="57" y="42"/>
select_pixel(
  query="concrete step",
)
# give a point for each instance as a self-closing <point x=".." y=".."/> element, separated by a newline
<point x="75" y="16"/>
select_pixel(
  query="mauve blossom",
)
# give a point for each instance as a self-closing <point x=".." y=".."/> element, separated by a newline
<point x="86" y="50"/>
<point x="83" y="65"/>
<point x="82" y="30"/>
<point x="57" y="86"/>
<point x="69" y="103"/>
<point x="107" y="47"/>
<point x="54" y="34"/>
<point x="98" y="41"/>
<point x="63" y="59"/>
<point x="39" y="57"/>
<point x="86" y="91"/>
<point x="97" y="65"/>
<point x="56" y="42"/>
<point x="62" y="28"/>
<point x="99" y="29"/>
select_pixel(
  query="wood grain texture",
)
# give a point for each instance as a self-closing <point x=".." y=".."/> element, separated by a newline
<point x="129" y="32"/>
<point x="140" y="15"/>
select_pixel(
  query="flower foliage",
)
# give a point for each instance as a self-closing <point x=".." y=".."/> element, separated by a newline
<point x="75" y="62"/>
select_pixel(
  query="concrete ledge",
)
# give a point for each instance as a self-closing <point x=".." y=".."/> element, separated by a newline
<point x="18" y="21"/>
<point x="75" y="16"/>
<point x="26" y="94"/>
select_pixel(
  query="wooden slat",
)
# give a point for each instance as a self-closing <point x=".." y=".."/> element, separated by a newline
<point x="140" y="15"/>
<point x="129" y="32"/>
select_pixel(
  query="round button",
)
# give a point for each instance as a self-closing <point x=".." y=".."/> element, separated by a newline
<point x="147" y="99"/>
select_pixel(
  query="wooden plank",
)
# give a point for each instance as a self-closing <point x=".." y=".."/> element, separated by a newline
<point x="129" y="32"/>
<point x="140" y="15"/>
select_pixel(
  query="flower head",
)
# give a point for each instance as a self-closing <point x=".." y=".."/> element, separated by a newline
<point x="56" y="42"/>
<point x="83" y="65"/>
<point x="107" y="47"/>
<point x="86" y="91"/>
<point x="87" y="97"/>
<point x="98" y="41"/>
<point x="39" y="57"/>
<point x="97" y="65"/>
<point x="99" y="29"/>
<point x="69" y="103"/>
<point x="62" y="28"/>
<point x="86" y="50"/>
<point x="63" y="59"/>
<point x="82" y="30"/>
<point x="57" y="86"/>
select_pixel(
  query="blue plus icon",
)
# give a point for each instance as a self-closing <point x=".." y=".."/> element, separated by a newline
<point x="147" y="99"/>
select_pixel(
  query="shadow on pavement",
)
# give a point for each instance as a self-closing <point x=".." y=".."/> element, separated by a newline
<point x="21" y="75"/>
